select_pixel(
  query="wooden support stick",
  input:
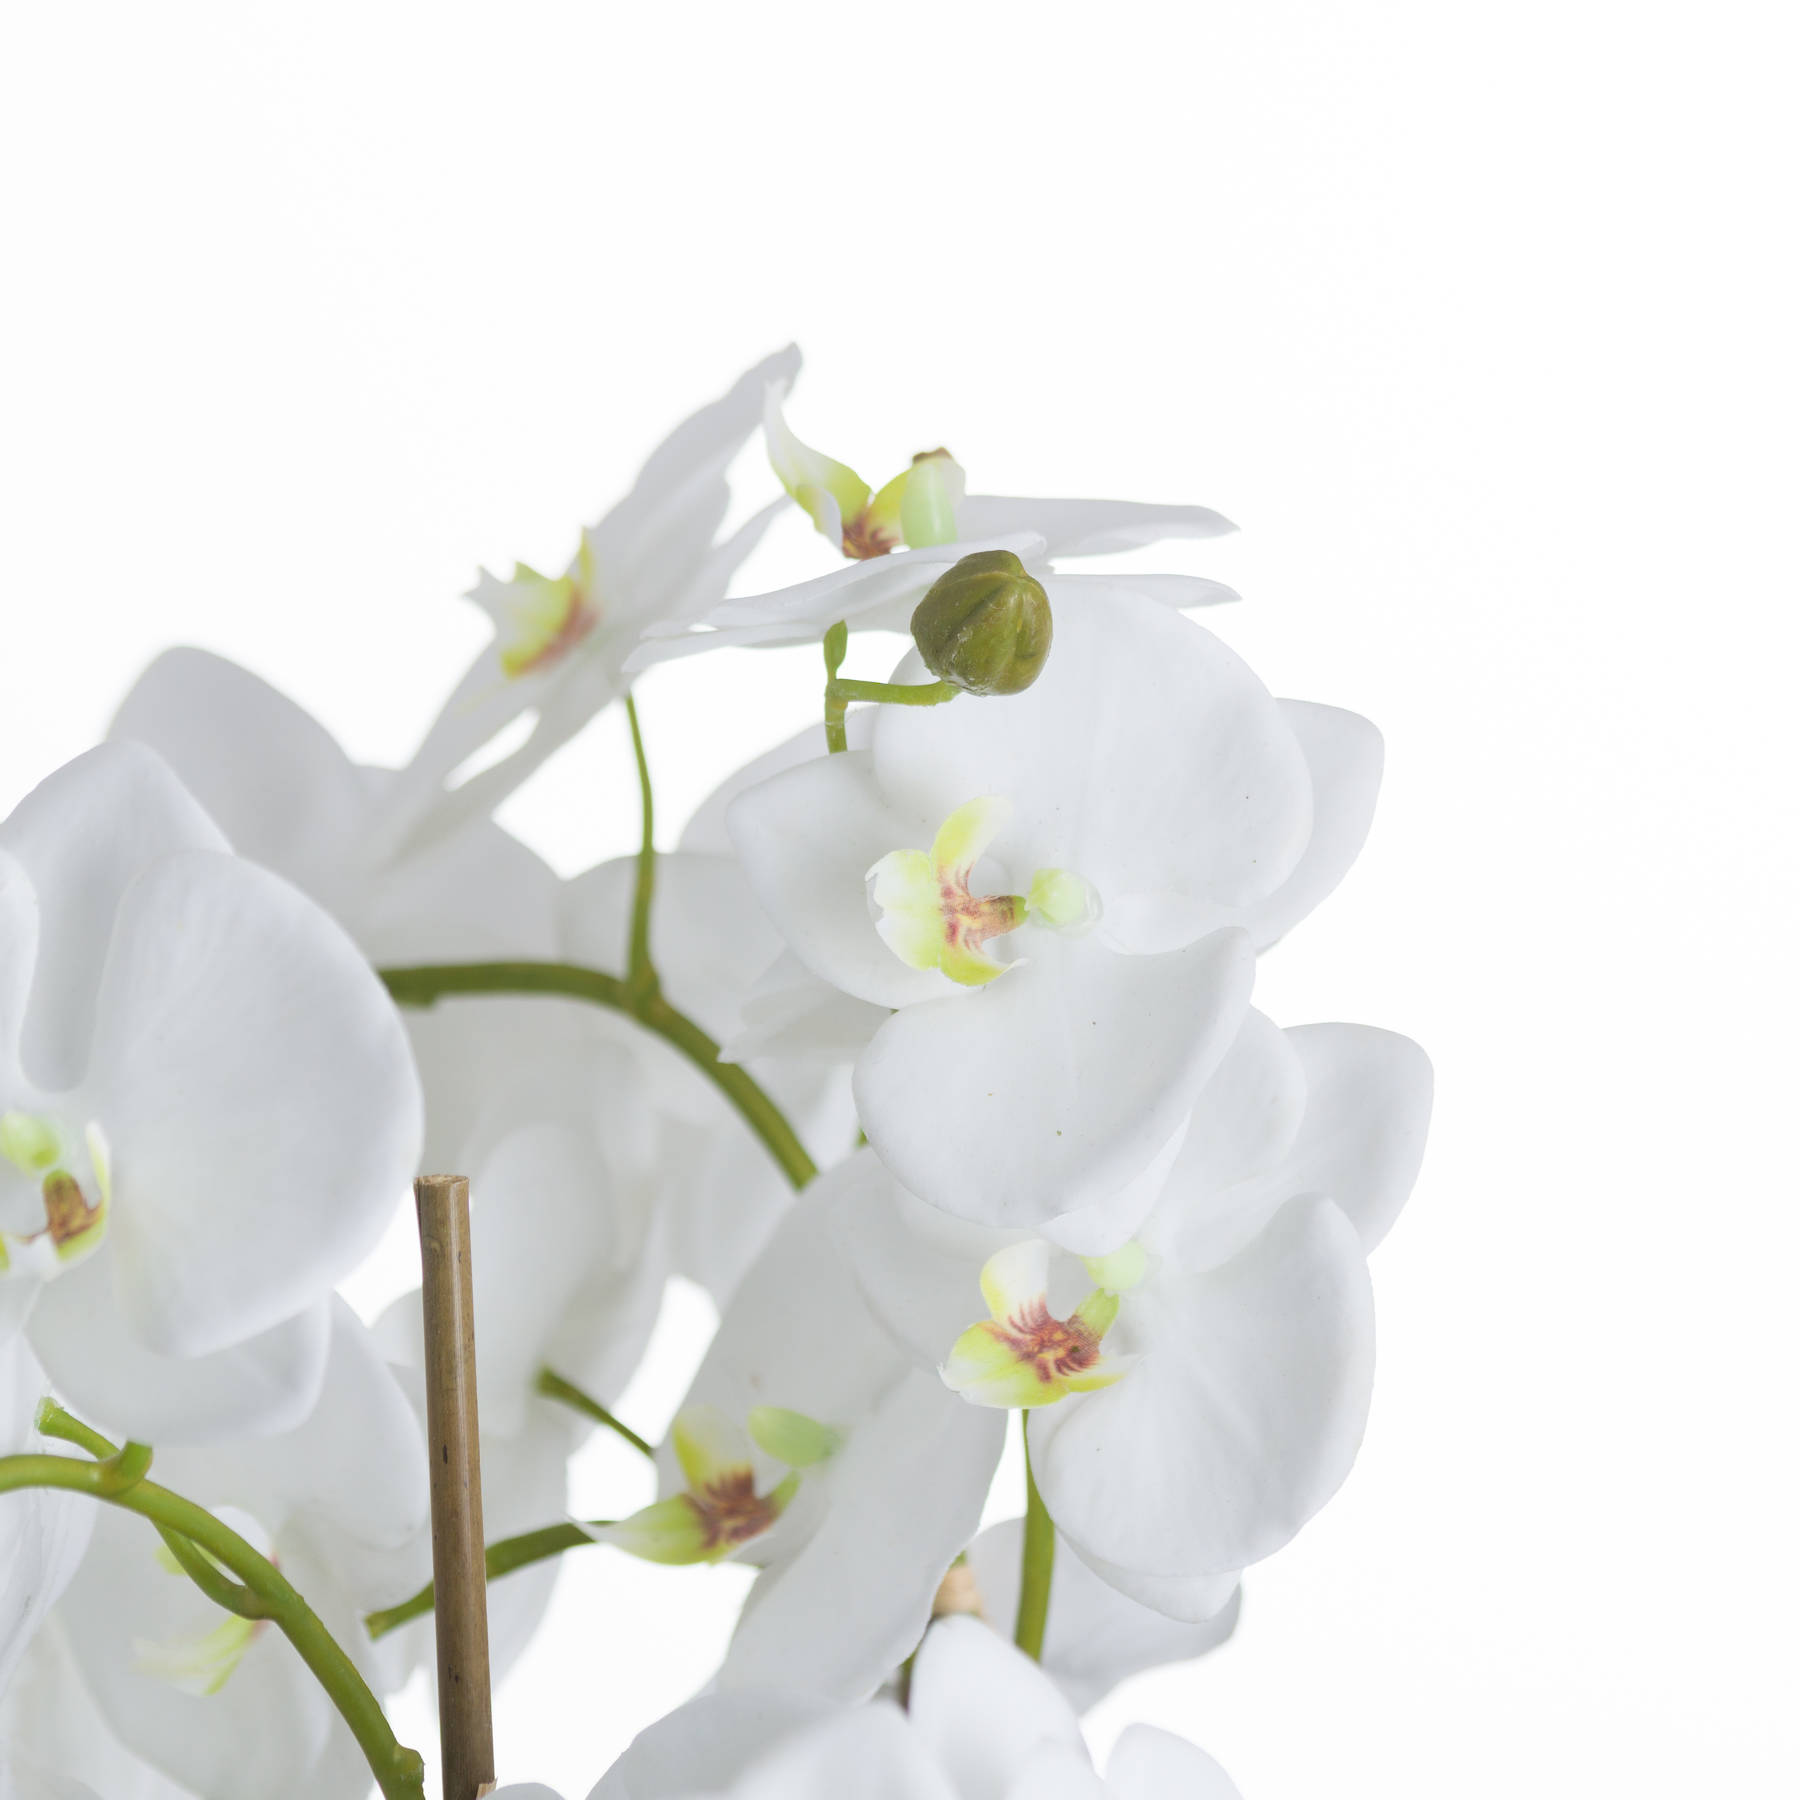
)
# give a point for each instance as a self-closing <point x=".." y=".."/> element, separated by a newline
<point x="458" y="1548"/>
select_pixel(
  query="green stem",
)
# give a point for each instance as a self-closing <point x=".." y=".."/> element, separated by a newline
<point x="205" y="1574"/>
<point x="840" y="690"/>
<point x="896" y="693"/>
<point x="1036" y="1562"/>
<point x="837" y="642"/>
<point x="424" y="985"/>
<point x="399" y="1772"/>
<point x="553" y="1387"/>
<point x="504" y="1555"/>
<point x="640" y="972"/>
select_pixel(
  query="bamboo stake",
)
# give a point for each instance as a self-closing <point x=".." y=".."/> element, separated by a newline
<point x="458" y="1548"/>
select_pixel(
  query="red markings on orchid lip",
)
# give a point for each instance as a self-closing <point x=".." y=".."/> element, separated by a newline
<point x="1056" y="1348"/>
<point x="730" y="1510"/>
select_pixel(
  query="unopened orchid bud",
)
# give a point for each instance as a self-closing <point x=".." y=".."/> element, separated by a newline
<point x="984" y="625"/>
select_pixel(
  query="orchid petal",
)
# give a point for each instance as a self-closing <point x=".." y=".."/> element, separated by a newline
<point x="807" y="839"/>
<point x="1087" y="527"/>
<point x="1050" y="1090"/>
<point x="267" y="1382"/>
<point x="255" y="1084"/>
<point x="83" y="836"/>
<point x="1095" y="1637"/>
<point x="982" y="1746"/>
<point x="1149" y="1764"/>
<point x="1241" y="1420"/>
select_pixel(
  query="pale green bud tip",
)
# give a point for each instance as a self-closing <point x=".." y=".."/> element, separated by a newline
<point x="984" y="625"/>
<point x="791" y="1437"/>
<point x="30" y="1144"/>
<point x="1119" y="1270"/>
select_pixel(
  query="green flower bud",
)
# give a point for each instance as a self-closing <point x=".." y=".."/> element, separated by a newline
<point x="984" y="625"/>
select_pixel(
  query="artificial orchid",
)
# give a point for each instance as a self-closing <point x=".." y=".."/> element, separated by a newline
<point x="927" y="1053"/>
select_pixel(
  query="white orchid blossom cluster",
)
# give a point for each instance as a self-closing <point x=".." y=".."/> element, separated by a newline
<point x="929" y="1052"/>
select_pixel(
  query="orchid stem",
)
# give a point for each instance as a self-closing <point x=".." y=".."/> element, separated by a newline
<point x="841" y="690"/>
<point x="398" y="1771"/>
<point x="640" y="971"/>
<point x="428" y="983"/>
<point x="504" y="1555"/>
<point x="205" y="1574"/>
<point x="553" y="1387"/>
<point x="1037" y="1560"/>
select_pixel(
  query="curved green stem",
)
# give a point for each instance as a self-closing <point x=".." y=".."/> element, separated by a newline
<point x="504" y="1555"/>
<point x="205" y="1574"/>
<point x="1036" y="1563"/>
<point x="552" y="1386"/>
<point x="641" y="973"/>
<point x="841" y="690"/>
<point x="432" y="982"/>
<point x="399" y="1772"/>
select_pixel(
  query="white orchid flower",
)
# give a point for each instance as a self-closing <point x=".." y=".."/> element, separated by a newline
<point x="43" y="1533"/>
<point x="207" y="1109"/>
<point x="926" y="508"/>
<point x="283" y="791"/>
<point x="1060" y="895"/>
<point x="1198" y="1393"/>
<point x="223" y="1705"/>
<point x="560" y="642"/>
<point x="983" y="1722"/>
<point x="809" y="1447"/>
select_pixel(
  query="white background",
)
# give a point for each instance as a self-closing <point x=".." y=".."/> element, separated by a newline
<point x="1478" y="320"/>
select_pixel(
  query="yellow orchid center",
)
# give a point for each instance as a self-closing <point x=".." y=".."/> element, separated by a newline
<point x="72" y="1176"/>
<point x="200" y="1663"/>
<point x="1023" y="1353"/>
<point x="538" y="620"/>
<point x="722" y="1508"/>
<point x="930" y="917"/>
<point x="917" y="508"/>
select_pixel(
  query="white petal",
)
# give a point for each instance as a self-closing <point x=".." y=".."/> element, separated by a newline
<point x="1343" y="752"/>
<point x="18" y="957"/>
<point x="255" y="1084"/>
<point x="270" y="775"/>
<point x="1148" y="1764"/>
<point x="1180" y="591"/>
<point x="1241" y="1420"/>
<point x="267" y="1383"/>
<point x="1245" y="1123"/>
<point x="869" y="1753"/>
<point x="1147" y="758"/>
<point x="1087" y="527"/>
<point x="354" y="1469"/>
<point x="705" y="1745"/>
<point x="539" y="1225"/>
<point x="1186" y="1599"/>
<point x="918" y="1268"/>
<point x="1361" y="1139"/>
<point x="43" y="1534"/>
<point x="983" y="1708"/>
<point x="475" y="895"/>
<point x="902" y="1497"/>
<point x="257" y="1738"/>
<point x="807" y="840"/>
<point x="1094" y="1636"/>
<point x="790" y="1012"/>
<point x="797" y="1333"/>
<point x="82" y="837"/>
<point x="706" y="831"/>
<point x="708" y="937"/>
<point x="1052" y="1087"/>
